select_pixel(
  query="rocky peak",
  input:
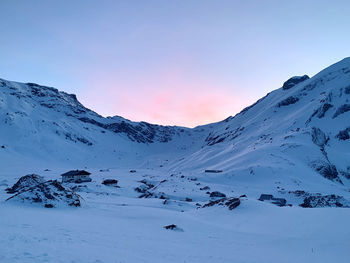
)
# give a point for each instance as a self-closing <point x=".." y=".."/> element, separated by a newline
<point x="290" y="83"/>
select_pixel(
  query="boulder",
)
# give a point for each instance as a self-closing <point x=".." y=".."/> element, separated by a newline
<point x="110" y="182"/>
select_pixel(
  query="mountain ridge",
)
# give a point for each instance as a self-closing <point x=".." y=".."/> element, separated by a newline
<point x="304" y="126"/>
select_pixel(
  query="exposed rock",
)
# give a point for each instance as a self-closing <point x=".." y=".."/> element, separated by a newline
<point x="110" y="182"/>
<point x="324" y="201"/>
<point x="273" y="200"/>
<point x="231" y="203"/>
<point x="294" y="81"/>
<point x="173" y="227"/>
<point x="25" y="182"/>
<point x="217" y="194"/>
<point x="319" y="137"/>
<point x="50" y="194"/>
<point x="342" y="109"/>
<point x="327" y="170"/>
<point x="141" y="132"/>
<point x="347" y="90"/>
<point x="213" y="171"/>
<point x="288" y="101"/>
<point x="321" y="112"/>
<point x="205" y="188"/>
<point x="346" y="174"/>
<point x="344" y="134"/>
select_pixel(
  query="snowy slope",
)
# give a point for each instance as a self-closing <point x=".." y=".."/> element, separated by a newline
<point x="294" y="143"/>
<point x="299" y="133"/>
<point x="42" y="123"/>
<point x="302" y="127"/>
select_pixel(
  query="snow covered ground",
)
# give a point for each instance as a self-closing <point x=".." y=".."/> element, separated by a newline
<point x="114" y="225"/>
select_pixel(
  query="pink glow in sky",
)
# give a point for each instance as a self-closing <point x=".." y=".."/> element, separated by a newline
<point x="169" y="99"/>
<point x="170" y="62"/>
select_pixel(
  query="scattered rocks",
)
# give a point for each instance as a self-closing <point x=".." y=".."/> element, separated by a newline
<point x="188" y="199"/>
<point x="231" y="203"/>
<point x="205" y="188"/>
<point x="313" y="201"/>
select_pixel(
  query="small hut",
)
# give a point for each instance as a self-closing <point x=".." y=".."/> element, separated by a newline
<point x="76" y="176"/>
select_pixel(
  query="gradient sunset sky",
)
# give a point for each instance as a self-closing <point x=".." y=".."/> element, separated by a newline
<point x="175" y="62"/>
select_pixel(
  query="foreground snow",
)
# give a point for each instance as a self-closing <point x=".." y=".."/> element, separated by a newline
<point x="114" y="225"/>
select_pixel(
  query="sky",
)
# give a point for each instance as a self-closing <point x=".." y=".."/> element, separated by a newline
<point x="171" y="62"/>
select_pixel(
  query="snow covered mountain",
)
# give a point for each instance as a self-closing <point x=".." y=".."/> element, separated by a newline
<point x="302" y="127"/>
<point x="193" y="194"/>
<point x="300" y="130"/>
<point x="39" y="122"/>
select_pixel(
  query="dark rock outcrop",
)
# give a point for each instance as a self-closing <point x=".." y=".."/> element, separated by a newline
<point x="290" y="83"/>
<point x="313" y="201"/>
<point x="273" y="200"/>
<point x="49" y="194"/>
<point x="327" y="170"/>
<point x="110" y="182"/>
<point x="341" y="110"/>
<point x="344" y="134"/>
<point x="319" y="137"/>
<point x="173" y="227"/>
<point x="288" y="101"/>
<point x="25" y="182"/>
<point x="216" y="194"/>
<point x="231" y="203"/>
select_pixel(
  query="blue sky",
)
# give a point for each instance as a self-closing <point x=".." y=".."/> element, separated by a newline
<point x="170" y="62"/>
